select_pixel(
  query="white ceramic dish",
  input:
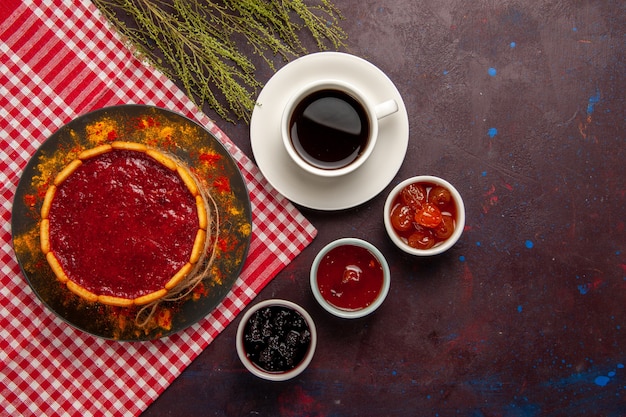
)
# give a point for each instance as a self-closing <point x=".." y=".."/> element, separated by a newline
<point x="445" y="245"/>
<point x="302" y="187"/>
<point x="350" y="314"/>
<point x="256" y="370"/>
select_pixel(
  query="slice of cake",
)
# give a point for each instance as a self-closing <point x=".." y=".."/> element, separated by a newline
<point x="123" y="224"/>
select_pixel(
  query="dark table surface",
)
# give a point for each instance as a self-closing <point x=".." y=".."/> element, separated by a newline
<point x="520" y="105"/>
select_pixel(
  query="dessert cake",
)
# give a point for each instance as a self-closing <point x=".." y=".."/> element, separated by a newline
<point x="123" y="224"/>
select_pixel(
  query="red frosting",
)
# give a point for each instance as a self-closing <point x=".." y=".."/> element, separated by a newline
<point x="122" y="224"/>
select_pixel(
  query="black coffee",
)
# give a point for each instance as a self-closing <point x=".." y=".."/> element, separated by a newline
<point x="329" y="129"/>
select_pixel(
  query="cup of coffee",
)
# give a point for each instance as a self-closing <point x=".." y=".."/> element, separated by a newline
<point x="330" y="128"/>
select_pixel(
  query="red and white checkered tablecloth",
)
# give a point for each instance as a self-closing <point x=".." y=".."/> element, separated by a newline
<point x="59" y="59"/>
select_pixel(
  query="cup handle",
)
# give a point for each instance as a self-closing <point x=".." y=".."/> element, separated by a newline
<point x="385" y="109"/>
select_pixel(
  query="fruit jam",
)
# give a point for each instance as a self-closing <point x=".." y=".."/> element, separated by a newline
<point x="424" y="215"/>
<point x="276" y="338"/>
<point x="350" y="277"/>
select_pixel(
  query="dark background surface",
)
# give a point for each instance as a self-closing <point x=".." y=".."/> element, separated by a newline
<point x="520" y="105"/>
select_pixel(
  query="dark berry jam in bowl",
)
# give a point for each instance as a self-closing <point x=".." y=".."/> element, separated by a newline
<point x="350" y="278"/>
<point x="276" y="340"/>
<point x="424" y="215"/>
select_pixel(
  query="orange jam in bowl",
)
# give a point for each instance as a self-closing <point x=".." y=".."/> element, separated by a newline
<point x="424" y="215"/>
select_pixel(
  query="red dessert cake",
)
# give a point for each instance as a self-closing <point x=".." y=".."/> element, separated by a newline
<point x="123" y="224"/>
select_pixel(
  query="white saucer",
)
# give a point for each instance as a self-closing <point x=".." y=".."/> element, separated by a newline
<point x="307" y="189"/>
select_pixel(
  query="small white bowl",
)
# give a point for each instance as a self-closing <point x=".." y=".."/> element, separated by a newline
<point x="276" y="375"/>
<point x="438" y="248"/>
<point x="343" y="313"/>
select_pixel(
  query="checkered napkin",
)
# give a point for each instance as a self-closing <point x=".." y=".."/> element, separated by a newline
<point x="59" y="60"/>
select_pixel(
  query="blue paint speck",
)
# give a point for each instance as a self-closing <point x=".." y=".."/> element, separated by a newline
<point x="492" y="132"/>
<point x="575" y="29"/>
<point x="602" y="380"/>
<point x="394" y="372"/>
<point x="492" y="72"/>
<point x="520" y="308"/>
<point x="529" y="244"/>
<point x="484" y="173"/>
<point x="462" y="258"/>
<point x="522" y="408"/>
<point x="583" y="289"/>
<point x="593" y="100"/>
<point x="513" y="45"/>
<point x="611" y="374"/>
<point x="620" y="366"/>
<point x="477" y="243"/>
<point x="445" y="72"/>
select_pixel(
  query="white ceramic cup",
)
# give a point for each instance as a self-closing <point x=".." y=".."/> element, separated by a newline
<point x="373" y="113"/>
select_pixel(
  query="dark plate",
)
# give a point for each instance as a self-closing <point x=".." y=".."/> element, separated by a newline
<point x="164" y="130"/>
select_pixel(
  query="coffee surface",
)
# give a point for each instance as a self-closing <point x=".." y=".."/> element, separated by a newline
<point x="329" y="129"/>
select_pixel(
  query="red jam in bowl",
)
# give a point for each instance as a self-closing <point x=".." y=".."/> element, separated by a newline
<point x="424" y="215"/>
<point x="350" y="277"/>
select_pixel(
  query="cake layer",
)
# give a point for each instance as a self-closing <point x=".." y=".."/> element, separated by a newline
<point x="123" y="224"/>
